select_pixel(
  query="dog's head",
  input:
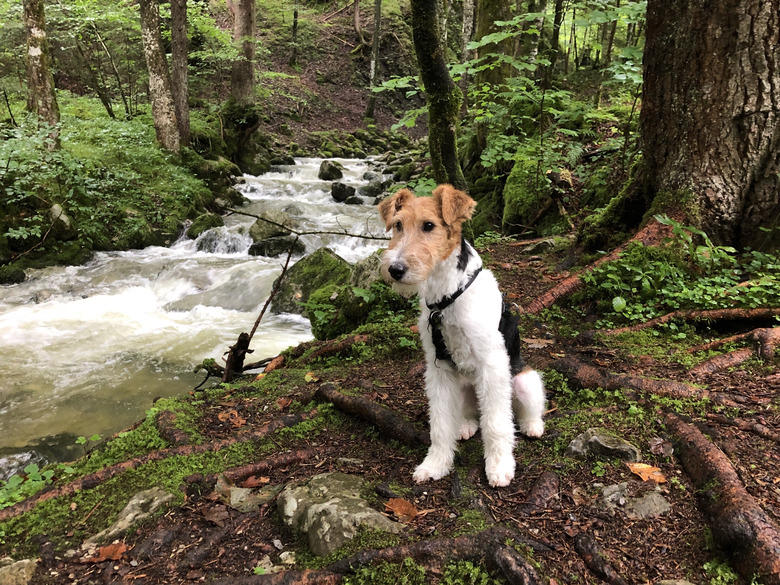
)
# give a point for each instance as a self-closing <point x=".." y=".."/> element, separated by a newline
<point x="425" y="231"/>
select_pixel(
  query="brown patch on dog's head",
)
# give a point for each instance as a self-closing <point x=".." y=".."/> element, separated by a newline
<point x="425" y="231"/>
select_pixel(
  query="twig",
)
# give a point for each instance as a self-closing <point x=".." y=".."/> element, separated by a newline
<point x="711" y="315"/>
<point x="309" y="233"/>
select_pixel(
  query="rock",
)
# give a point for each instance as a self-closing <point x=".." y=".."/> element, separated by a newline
<point x="315" y="271"/>
<point x="249" y="500"/>
<point x="651" y="505"/>
<point x="367" y="271"/>
<point x="601" y="443"/>
<point x="141" y="506"/>
<point x="203" y="223"/>
<point x="262" y="230"/>
<point x="354" y="200"/>
<point x="374" y="188"/>
<point x="330" y="171"/>
<point x="62" y="226"/>
<point x="341" y="191"/>
<point x="277" y="246"/>
<point x="614" y="496"/>
<point x="16" y="572"/>
<point x="10" y="274"/>
<point x="328" y="510"/>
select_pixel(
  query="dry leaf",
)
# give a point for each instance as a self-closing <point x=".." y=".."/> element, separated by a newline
<point x="403" y="511"/>
<point x="217" y="514"/>
<point x="284" y="402"/>
<point x="535" y="343"/>
<point x="310" y="377"/>
<point x="254" y="481"/>
<point x="660" y="447"/>
<point x="111" y="552"/>
<point x="647" y="472"/>
<point x="233" y="417"/>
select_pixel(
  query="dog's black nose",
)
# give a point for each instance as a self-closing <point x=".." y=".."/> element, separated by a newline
<point x="397" y="270"/>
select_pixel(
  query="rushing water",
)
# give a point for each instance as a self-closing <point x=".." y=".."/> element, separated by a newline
<point x="86" y="349"/>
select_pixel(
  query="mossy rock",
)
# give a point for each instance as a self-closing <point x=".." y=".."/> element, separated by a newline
<point x="10" y="274"/>
<point x="276" y="246"/>
<point x="204" y="223"/>
<point x="315" y="271"/>
<point x="262" y="230"/>
<point x="335" y="310"/>
<point x="524" y="194"/>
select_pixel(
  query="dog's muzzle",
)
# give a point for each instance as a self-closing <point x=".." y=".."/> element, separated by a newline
<point x="397" y="271"/>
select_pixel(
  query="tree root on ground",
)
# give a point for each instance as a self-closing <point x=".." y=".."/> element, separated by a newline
<point x="710" y="315"/>
<point x="545" y="489"/>
<point x="745" y="425"/>
<point x="588" y="376"/>
<point x="721" y="362"/>
<point x="596" y="560"/>
<point x="94" y="479"/>
<point x="768" y="339"/>
<point x="392" y="425"/>
<point x="739" y="524"/>
<point x="165" y="421"/>
<point x="487" y="548"/>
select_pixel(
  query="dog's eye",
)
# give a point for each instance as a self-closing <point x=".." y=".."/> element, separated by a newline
<point x="399" y="226"/>
<point x="428" y="226"/>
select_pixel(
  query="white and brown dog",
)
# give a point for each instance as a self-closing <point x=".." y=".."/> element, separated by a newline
<point x="474" y="370"/>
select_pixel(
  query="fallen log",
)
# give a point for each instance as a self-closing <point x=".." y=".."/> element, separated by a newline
<point x="721" y="362"/>
<point x="334" y="347"/>
<point x="94" y="479"/>
<point x="692" y="315"/>
<point x="588" y="376"/>
<point x="739" y="524"/>
<point x="392" y="425"/>
<point x="596" y="560"/>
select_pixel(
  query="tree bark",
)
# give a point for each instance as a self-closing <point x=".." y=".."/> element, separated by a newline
<point x="444" y="97"/>
<point x="374" y="57"/>
<point x="42" y="99"/>
<point x="555" y="39"/>
<point x="488" y="12"/>
<point x="179" y="72"/>
<point x="710" y="118"/>
<point x="242" y="78"/>
<point x="160" y="93"/>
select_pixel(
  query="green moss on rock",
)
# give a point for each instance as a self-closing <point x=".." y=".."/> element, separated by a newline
<point x="315" y="271"/>
<point x="204" y="223"/>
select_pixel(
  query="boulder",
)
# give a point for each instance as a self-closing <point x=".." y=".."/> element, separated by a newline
<point x="262" y="230"/>
<point x="16" y="572"/>
<point x="601" y="443"/>
<point x="374" y="188"/>
<point x="139" y="508"/>
<point x="328" y="510"/>
<point x="315" y="271"/>
<point x="341" y="191"/>
<point x="11" y="274"/>
<point x="367" y="271"/>
<point x="277" y="246"/>
<point x="62" y="226"/>
<point x="203" y="223"/>
<point x="330" y="171"/>
<point x="354" y="200"/>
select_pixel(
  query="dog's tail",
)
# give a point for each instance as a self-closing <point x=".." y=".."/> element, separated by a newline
<point x="529" y="401"/>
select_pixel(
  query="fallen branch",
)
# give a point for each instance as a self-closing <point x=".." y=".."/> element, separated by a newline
<point x="242" y="472"/>
<point x="739" y="524"/>
<point x="745" y="425"/>
<point x="721" y="362"/>
<point x="94" y="479"/>
<point x="312" y="232"/>
<point x="165" y="421"/>
<point x="544" y="490"/>
<point x="588" y="376"/>
<point x="767" y="338"/>
<point x="711" y="315"/>
<point x="596" y="560"/>
<point x="650" y="235"/>
<point x="334" y="347"/>
<point x="389" y="422"/>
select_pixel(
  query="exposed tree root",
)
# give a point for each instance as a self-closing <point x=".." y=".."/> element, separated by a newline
<point x="165" y="421"/>
<point x="588" y="376"/>
<point x="739" y="524"/>
<point x="711" y="315"/>
<point x="94" y="479"/>
<point x="595" y="559"/>
<point x="650" y="235"/>
<point x="745" y="425"/>
<point x="275" y="364"/>
<point x="768" y="339"/>
<point x="542" y="492"/>
<point x="392" y="425"/>
<point x="721" y="362"/>
<point x="242" y="472"/>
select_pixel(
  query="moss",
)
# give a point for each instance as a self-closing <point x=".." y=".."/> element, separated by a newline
<point x="315" y="271"/>
<point x="11" y="274"/>
<point x="204" y="223"/>
<point x="524" y="193"/>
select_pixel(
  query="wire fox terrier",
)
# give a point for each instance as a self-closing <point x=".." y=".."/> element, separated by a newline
<point x="474" y="371"/>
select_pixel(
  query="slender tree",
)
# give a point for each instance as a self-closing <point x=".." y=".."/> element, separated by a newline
<point x="242" y="78"/>
<point x="374" y="58"/>
<point x="488" y="13"/>
<point x="42" y="98"/>
<point x="710" y="120"/>
<point x="444" y="97"/>
<point x="179" y="72"/>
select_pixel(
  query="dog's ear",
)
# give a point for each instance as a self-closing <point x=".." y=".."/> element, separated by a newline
<point x="456" y="206"/>
<point x="392" y="205"/>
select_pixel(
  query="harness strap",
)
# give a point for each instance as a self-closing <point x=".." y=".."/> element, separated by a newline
<point x="434" y="319"/>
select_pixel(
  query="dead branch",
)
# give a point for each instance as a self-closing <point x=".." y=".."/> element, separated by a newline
<point x="721" y="362"/>
<point x="94" y="479"/>
<point x="711" y="315"/>
<point x="544" y="490"/>
<point x="334" y="347"/>
<point x="739" y="524"/>
<point x="275" y="364"/>
<point x="165" y="421"/>
<point x="650" y="235"/>
<point x="588" y="376"/>
<point x="392" y="425"/>
<point x="242" y="472"/>
<point x="596" y="560"/>
<point x="309" y="233"/>
<point x="745" y="425"/>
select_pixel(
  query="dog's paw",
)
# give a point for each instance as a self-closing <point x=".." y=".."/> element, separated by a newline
<point x="533" y="428"/>
<point x="500" y="473"/>
<point x="430" y="469"/>
<point x="468" y="429"/>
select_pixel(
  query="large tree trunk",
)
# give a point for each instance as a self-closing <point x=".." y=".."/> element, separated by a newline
<point x="179" y="73"/>
<point x="41" y="98"/>
<point x="242" y="78"/>
<point x="710" y="118"/>
<point x="444" y="97"/>
<point x="160" y="94"/>
<point x="488" y="12"/>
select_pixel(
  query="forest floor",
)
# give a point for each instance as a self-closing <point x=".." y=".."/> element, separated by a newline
<point x="203" y="538"/>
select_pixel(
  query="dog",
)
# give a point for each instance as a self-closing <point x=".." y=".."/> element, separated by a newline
<point x="471" y="380"/>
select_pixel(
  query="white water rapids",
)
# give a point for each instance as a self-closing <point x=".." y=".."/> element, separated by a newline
<point x="86" y="349"/>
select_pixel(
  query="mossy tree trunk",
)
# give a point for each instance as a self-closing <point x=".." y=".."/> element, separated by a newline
<point x="42" y="99"/>
<point x="488" y="12"/>
<point x="444" y="97"/>
<point x="179" y="73"/>
<point x="160" y="93"/>
<point x="710" y="116"/>
<point x="242" y="77"/>
<point x="374" y="58"/>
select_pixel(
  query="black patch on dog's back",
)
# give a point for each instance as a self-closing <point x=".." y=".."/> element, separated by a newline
<point x="508" y="328"/>
<point x="463" y="256"/>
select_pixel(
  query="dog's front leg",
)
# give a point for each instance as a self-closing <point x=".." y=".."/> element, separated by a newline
<point x="442" y="385"/>
<point x="498" y="431"/>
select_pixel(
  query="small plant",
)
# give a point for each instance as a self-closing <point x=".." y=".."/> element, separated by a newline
<point x="720" y="573"/>
<point x="600" y="469"/>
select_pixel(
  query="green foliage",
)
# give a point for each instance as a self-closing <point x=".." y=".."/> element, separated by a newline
<point x="467" y="573"/>
<point x="720" y="573"/>
<point x="405" y="573"/>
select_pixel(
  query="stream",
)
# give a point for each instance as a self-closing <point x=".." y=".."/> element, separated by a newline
<point x="86" y="349"/>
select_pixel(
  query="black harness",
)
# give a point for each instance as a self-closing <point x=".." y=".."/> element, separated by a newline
<point x="507" y="326"/>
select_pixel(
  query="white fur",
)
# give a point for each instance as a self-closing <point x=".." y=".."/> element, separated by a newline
<point x="482" y="377"/>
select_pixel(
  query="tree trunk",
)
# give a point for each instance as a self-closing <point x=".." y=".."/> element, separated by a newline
<point x="374" y="58"/>
<point x="242" y="78"/>
<point x="555" y="40"/>
<point x="467" y="28"/>
<point x="41" y="99"/>
<point x="179" y="73"/>
<point x="710" y="120"/>
<point x="488" y="12"/>
<point x="160" y="94"/>
<point x="444" y="97"/>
